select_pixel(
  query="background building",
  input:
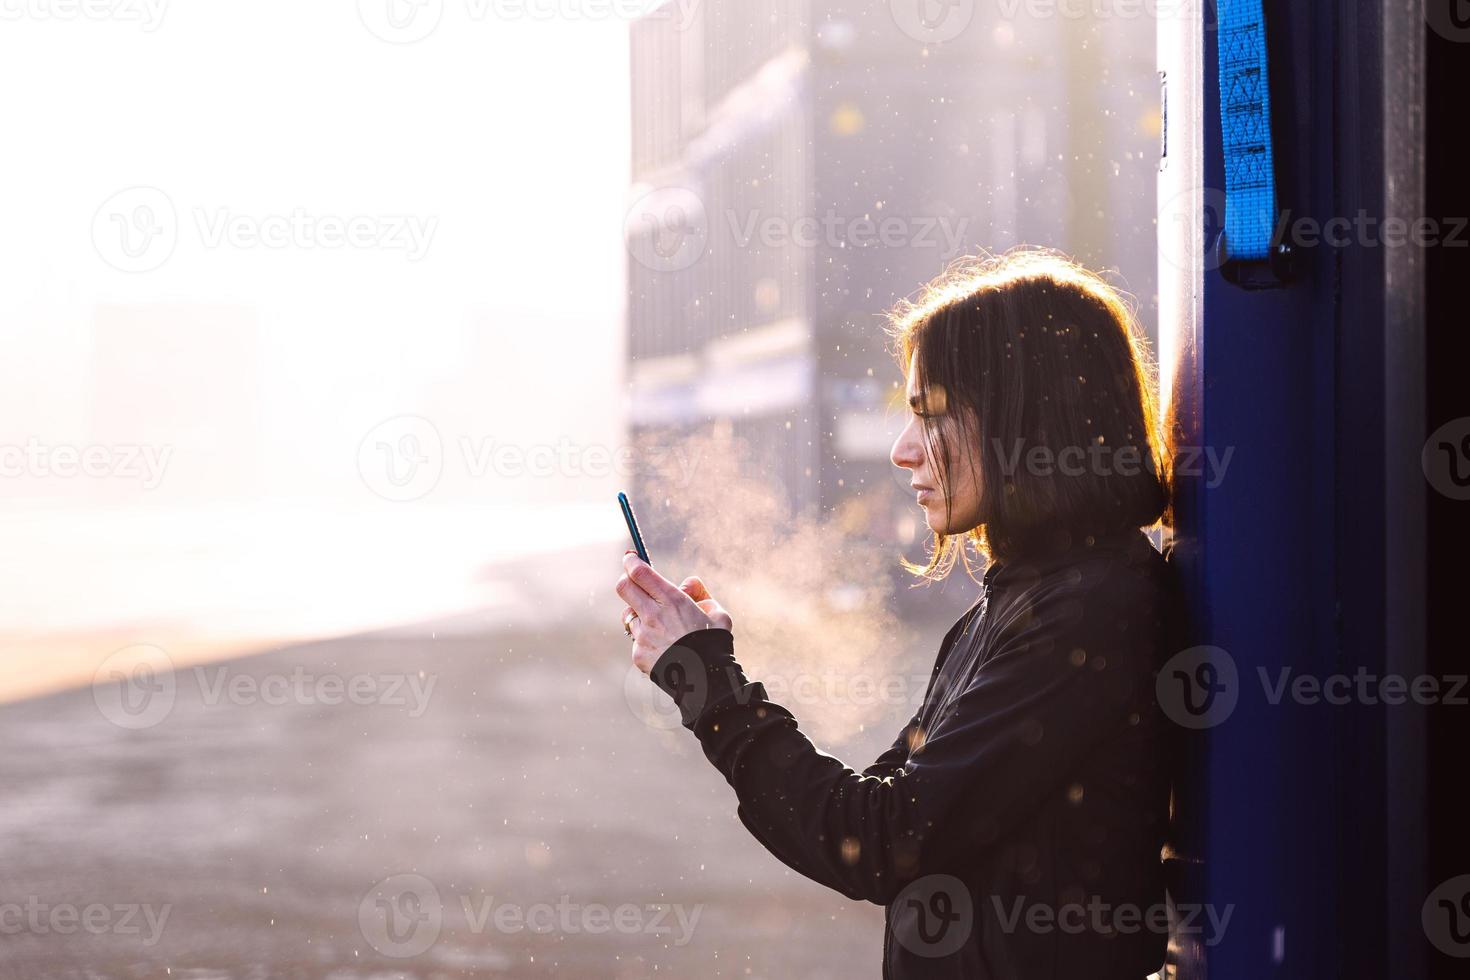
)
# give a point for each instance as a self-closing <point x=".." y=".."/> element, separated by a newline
<point x="797" y="171"/>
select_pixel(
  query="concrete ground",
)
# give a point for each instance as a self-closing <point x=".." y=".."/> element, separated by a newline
<point x="485" y="802"/>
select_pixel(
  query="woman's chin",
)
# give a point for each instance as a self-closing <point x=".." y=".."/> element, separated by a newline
<point x="939" y="523"/>
<point x="936" y="521"/>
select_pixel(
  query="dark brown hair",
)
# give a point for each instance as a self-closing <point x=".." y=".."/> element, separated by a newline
<point x="1029" y="349"/>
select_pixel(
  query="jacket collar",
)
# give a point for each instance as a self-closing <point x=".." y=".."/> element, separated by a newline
<point x="1057" y="545"/>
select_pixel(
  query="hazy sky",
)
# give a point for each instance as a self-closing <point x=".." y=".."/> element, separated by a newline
<point x="248" y="235"/>
<point x="488" y="161"/>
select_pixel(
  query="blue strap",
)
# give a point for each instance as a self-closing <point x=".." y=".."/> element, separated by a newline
<point x="1245" y="121"/>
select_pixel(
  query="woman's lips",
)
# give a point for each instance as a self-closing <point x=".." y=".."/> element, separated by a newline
<point x="925" y="494"/>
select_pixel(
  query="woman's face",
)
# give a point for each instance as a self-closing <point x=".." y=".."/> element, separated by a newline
<point x="961" y="512"/>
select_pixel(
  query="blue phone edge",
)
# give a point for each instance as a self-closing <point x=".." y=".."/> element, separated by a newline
<point x="632" y="522"/>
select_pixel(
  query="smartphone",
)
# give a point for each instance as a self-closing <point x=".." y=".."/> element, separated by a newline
<point x="633" y="526"/>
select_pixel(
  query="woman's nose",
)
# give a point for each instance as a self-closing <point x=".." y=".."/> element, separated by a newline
<point x="904" y="453"/>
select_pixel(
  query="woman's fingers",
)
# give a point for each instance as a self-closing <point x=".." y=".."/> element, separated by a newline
<point x="716" y="613"/>
<point x="643" y="577"/>
<point x="632" y="593"/>
<point x="665" y="611"/>
<point x="694" y="587"/>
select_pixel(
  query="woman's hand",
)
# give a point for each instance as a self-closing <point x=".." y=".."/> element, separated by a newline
<point x="666" y="612"/>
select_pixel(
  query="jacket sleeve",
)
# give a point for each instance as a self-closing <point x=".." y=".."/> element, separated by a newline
<point x="896" y="755"/>
<point x="1068" y="670"/>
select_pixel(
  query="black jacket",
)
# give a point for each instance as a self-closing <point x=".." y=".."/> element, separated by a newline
<point x="1013" y="831"/>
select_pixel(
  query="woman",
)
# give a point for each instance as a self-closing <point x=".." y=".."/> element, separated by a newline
<point x="1014" y="828"/>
